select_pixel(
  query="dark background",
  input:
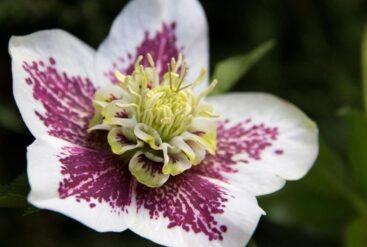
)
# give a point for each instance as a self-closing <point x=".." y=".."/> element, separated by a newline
<point x="316" y="65"/>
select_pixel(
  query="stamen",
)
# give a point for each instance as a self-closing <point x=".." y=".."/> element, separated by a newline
<point x="200" y="79"/>
<point x="150" y="60"/>
<point x="207" y="91"/>
<point x="170" y="76"/>
<point x="127" y="105"/>
<point x="182" y="77"/>
<point x="187" y="86"/>
<point x="138" y="62"/>
<point x="120" y="76"/>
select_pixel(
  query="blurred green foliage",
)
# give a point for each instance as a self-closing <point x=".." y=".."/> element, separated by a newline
<point x="332" y="198"/>
<point x="315" y="65"/>
<point x="231" y="70"/>
<point x="356" y="233"/>
<point x="317" y="202"/>
<point x="14" y="194"/>
<point x="357" y="148"/>
<point x="9" y="119"/>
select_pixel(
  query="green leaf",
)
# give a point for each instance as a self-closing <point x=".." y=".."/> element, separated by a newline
<point x="356" y="233"/>
<point x="231" y="70"/>
<point x="30" y="210"/>
<point x="10" y="120"/>
<point x="252" y="243"/>
<point x="14" y="195"/>
<point x="320" y="201"/>
<point x="364" y="67"/>
<point x="357" y="147"/>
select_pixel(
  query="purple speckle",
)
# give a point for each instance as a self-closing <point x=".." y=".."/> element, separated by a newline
<point x="245" y="137"/>
<point x="122" y="114"/>
<point x="151" y="166"/>
<point x="279" y="152"/>
<point x="67" y="100"/>
<point x="90" y="174"/>
<point x="123" y="140"/>
<point x="223" y="228"/>
<point x="188" y="201"/>
<point x="162" y="47"/>
<point x="52" y="61"/>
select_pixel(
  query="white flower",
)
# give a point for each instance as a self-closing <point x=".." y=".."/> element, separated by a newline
<point x="99" y="149"/>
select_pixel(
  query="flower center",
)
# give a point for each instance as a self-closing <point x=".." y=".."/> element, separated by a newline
<point x="166" y="110"/>
<point x="153" y="120"/>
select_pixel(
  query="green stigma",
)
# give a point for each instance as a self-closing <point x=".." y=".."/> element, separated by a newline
<point x="160" y="118"/>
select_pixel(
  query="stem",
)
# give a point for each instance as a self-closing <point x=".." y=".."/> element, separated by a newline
<point x="364" y="67"/>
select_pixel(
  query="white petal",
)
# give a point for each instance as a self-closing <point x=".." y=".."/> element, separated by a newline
<point x="139" y="29"/>
<point x="191" y="210"/>
<point x="53" y="83"/>
<point x="264" y="141"/>
<point x="81" y="183"/>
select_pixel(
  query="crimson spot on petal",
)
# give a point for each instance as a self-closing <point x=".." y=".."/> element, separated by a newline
<point x="162" y="46"/>
<point x="188" y="201"/>
<point x="95" y="177"/>
<point x="243" y="138"/>
<point x="67" y="100"/>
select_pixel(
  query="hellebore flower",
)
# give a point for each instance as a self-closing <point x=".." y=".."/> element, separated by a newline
<point x="125" y="137"/>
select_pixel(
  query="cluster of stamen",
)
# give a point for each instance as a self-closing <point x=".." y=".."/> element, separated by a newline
<point x="156" y="119"/>
<point x="168" y="108"/>
<point x="166" y="111"/>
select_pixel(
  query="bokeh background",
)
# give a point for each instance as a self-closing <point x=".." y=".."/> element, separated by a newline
<point x="315" y="65"/>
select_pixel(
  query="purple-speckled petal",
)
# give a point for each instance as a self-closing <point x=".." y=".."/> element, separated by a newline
<point x="192" y="210"/>
<point x="54" y="84"/>
<point x="90" y="185"/>
<point x="263" y="141"/>
<point x="163" y="28"/>
<point x="93" y="187"/>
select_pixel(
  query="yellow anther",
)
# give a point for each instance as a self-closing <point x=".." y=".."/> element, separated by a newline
<point x="207" y="91"/>
<point x="200" y="79"/>
<point x="138" y="62"/>
<point x="120" y="77"/>
<point x="150" y="60"/>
